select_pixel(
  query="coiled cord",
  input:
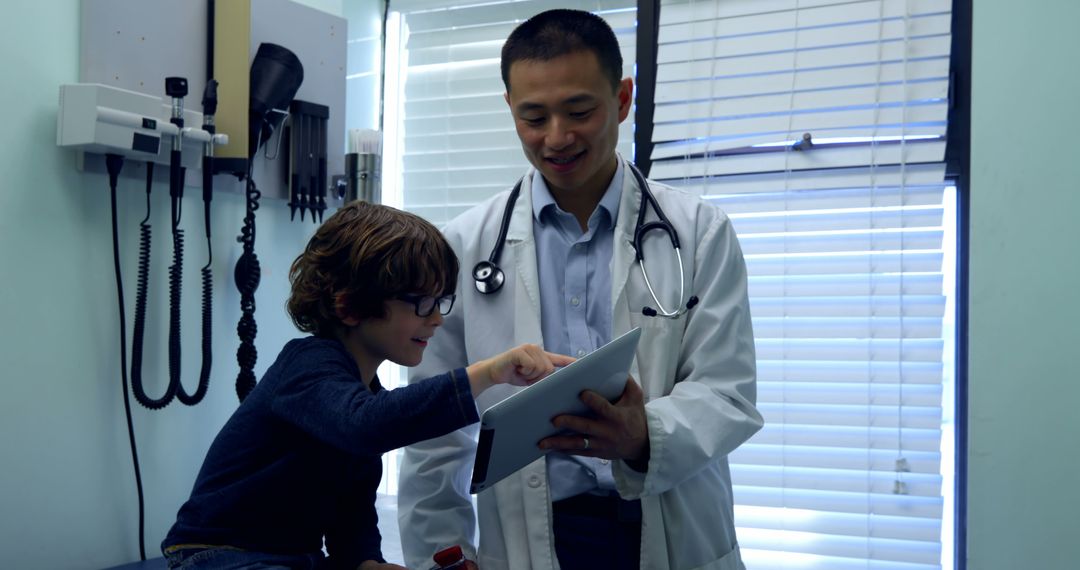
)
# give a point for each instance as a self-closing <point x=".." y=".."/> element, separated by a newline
<point x="247" y="275"/>
<point x="176" y="275"/>
<point x="138" y="334"/>
<point x="175" y="387"/>
<point x="207" y="333"/>
<point x="176" y="280"/>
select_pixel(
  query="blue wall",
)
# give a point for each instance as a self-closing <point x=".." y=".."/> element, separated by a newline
<point x="67" y="491"/>
<point x="1025" y="278"/>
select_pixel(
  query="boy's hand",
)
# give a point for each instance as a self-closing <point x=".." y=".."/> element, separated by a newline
<point x="518" y="366"/>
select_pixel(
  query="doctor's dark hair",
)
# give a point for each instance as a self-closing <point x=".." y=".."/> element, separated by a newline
<point x="556" y="33"/>
<point x="368" y="254"/>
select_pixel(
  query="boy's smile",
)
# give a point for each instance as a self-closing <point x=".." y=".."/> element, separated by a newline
<point x="399" y="337"/>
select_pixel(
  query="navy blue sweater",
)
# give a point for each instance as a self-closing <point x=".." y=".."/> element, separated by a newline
<point x="300" y="459"/>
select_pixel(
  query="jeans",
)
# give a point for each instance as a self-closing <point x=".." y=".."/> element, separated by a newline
<point x="229" y="558"/>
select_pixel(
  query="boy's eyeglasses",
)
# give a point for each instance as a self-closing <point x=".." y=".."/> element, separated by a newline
<point x="425" y="304"/>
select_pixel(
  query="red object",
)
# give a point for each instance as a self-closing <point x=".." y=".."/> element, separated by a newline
<point x="450" y="557"/>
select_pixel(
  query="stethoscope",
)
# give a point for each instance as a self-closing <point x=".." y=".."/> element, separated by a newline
<point x="490" y="278"/>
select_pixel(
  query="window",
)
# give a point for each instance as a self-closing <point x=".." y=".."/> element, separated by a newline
<point x="819" y="127"/>
<point x="459" y="146"/>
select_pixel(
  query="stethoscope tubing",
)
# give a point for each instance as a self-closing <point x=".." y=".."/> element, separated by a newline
<point x="489" y="278"/>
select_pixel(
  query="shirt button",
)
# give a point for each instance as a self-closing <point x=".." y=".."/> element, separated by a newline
<point x="604" y="462"/>
<point x="534" y="481"/>
<point x="580" y="352"/>
<point x="579" y="246"/>
<point x="575" y="301"/>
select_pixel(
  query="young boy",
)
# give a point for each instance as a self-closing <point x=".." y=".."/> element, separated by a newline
<point x="299" y="461"/>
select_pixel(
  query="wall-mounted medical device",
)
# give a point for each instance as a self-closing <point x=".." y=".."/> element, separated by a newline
<point x="249" y="59"/>
<point x="122" y="124"/>
<point x="318" y="40"/>
<point x="255" y="51"/>
<point x="134" y="44"/>
<point x="276" y="74"/>
<point x="308" y="183"/>
<point x="101" y="119"/>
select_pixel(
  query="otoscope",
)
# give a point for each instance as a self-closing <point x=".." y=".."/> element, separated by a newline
<point x="177" y="88"/>
<point x="209" y="103"/>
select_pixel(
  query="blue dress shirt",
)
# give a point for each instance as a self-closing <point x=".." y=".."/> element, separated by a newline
<point x="574" y="268"/>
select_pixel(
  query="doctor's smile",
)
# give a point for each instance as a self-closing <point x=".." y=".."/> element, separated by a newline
<point x="564" y="163"/>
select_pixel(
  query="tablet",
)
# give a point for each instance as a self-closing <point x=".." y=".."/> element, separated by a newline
<point x="511" y="429"/>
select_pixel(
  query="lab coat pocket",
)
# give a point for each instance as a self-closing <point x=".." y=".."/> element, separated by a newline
<point x="730" y="561"/>
<point x="657" y="354"/>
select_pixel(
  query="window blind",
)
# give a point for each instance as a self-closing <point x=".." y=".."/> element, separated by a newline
<point x="849" y="244"/>
<point x="459" y="143"/>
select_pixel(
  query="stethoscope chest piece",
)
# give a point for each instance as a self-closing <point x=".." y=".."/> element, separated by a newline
<point x="489" y="278"/>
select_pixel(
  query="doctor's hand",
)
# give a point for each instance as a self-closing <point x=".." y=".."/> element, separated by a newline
<point x="518" y="366"/>
<point x="619" y="430"/>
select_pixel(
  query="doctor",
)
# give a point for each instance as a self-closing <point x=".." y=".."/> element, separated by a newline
<point x="645" y="483"/>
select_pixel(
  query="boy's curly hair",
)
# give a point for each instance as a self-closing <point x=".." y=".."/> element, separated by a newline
<point x="367" y="253"/>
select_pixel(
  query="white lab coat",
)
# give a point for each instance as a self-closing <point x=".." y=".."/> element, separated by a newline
<point x="698" y="374"/>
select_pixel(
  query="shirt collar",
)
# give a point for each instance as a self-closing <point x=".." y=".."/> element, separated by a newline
<point x="542" y="198"/>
